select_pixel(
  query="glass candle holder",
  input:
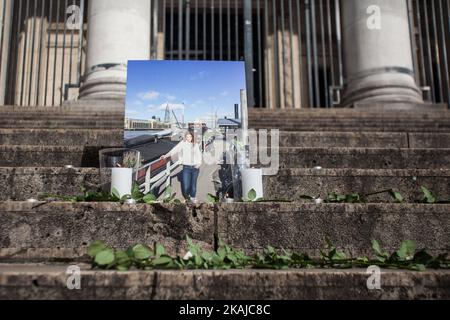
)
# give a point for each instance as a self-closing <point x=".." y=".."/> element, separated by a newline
<point x="118" y="168"/>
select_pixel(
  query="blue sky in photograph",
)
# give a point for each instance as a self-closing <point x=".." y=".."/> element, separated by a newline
<point x="193" y="89"/>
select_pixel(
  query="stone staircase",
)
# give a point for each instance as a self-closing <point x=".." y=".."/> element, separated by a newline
<point x="362" y="150"/>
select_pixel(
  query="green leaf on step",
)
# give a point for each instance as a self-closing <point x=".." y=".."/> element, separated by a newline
<point x="95" y="247"/>
<point x="160" y="250"/>
<point x="168" y="192"/>
<point x="338" y="255"/>
<point x="397" y="196"/>
<point x="123" y="268"/>
<point x="105" y="257"/>
<point x="376" y="247"/>
<point x="428" y="196"/>
<point x="381" y="256"/>
<point x="115" y="194"/>
<point x="141" y="252"/>
<point x="407" y="250"/>
<point x="212" y="199"/>
<point x="252" y="195"/>
<point x="162" y="261"/>
<point x="149" y="198"/>
<point x="136" y="193"/>
<point x="418" y="267"/>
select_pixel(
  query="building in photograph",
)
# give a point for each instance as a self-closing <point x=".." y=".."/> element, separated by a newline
<point x="136" y="124"/>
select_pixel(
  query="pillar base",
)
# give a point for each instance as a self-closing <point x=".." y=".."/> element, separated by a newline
<point x="389" y="86"/>
<point x="105" y="82"/>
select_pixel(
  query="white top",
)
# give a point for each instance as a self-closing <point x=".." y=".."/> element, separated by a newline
<point x="188" y="153"/>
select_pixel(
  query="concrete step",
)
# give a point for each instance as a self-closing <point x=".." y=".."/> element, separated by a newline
<point x="59" y="115"/>
<point x="291" y="184"/>
<point x="61" y="137"/>
<point x="355" y="126"/>
<point x="349" y="113"/>
<point x="335" y="139"/>
<point x="363" y="158"/>
<point x="81" y="123"/>
<point x="351" y="119"/>
<point x="99" y="107"/>
<point x="114" y="137"/>
<point x="351" y="227"/>
<point x="25" y="183"/>
<point x="49" y="282"/>
<point x="62" y="231"/>
<point x="49" y="156"/>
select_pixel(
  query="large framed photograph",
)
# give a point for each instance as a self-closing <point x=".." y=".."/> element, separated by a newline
<point x="180" y="116"/>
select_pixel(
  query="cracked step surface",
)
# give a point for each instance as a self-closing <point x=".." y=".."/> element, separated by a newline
<point x="62" y="231"/>
<point x="49" y="282"/>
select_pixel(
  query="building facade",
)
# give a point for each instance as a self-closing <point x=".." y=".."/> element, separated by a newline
<point x="298" y="53"/>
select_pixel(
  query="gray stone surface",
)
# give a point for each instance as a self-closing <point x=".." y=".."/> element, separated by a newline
<point x="52" y="231"/>
<point x="363" y="158"/>
<point x="49" y="282"/>
<point x="104" y="107"/>
<point x="372" y="158"/>
<point x="377" y="110"/>
<point x="62" y="123"/>
<point x="335" y="139"/>
<point x="399" y="106"/>
<point x="429" y="140"/>
<point x="25" y="183"/>
<point x="43" y="156"/>
<point x="319" y="139"/>
<point x="351" y="227"/>
<point x="442" y="125"/>
<point x="290" y="184"/>
<point x="347" y="120"/>
<point x="61" y="137"/>
<point x="56" y="231"/>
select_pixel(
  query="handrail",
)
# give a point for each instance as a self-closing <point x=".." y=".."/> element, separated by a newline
<point x="151" y="182"/>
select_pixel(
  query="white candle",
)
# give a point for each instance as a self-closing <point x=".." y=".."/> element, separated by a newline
<point x="122" y="180"/>
<point x="252" y="179"/>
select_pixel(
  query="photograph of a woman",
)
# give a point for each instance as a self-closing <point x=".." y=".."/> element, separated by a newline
<point x="190" y="157"/>
<point x="178" y="115"/>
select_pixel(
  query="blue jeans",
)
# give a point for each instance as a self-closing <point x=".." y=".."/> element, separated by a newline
<point x="189" y="183"/>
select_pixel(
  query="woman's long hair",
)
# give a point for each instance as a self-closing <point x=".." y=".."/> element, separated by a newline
<point x="189" y="133"/>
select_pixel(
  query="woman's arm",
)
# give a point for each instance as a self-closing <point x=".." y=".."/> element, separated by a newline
<point x="174" y="151"/>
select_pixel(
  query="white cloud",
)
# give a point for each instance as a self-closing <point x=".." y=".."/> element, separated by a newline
<point x="172" y="106"/>
<point x="170" y="97"/>
<point x="131" y="112"/>
<point x="199" y="76"/>
<point x="149" y="95"/>
<point x="225" y="93"/>
<point x="175" y="106"/>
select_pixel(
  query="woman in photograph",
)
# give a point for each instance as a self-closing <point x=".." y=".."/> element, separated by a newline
<point x="190" y="157"/>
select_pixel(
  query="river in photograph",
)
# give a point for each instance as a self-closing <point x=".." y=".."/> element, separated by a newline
<point x="134" y="134"/>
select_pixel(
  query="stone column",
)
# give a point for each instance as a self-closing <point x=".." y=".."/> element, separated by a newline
<point x="118" y="31"/>
<point x="377" y="52"/>
<point x="6" y="7"/>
